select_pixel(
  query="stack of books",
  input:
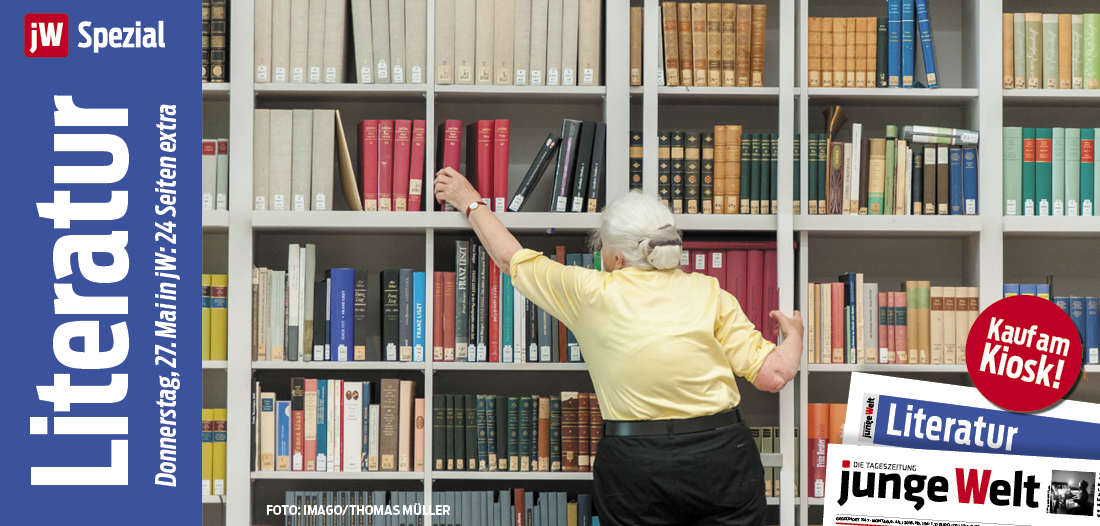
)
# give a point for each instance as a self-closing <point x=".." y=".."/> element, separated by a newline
<point x="724" y="172"/>
<point x="746" y="269"/>
<point x="293" y="159"/>
<point x="391" y="164"/>
<point x="214" y="316"/>
<point x="213" y="451"/>
<point x="215" y="40"/>
<point x="526" y="433"/>
<point x="767" y="441"/>
<point x="1050" y="171"/>
<point x="826" y="423"/>
<point x="1083" y="310"/>
<point x="852" y="322"/>
<point x="708" y="44"/>
<point x="1050" y="51"/>
<point x="215" y="174"/>
<point x="333" y="426"/>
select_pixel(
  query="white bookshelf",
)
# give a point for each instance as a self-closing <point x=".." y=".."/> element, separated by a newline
<point x="215" y="364"/>
<point x="213" y="499"/>
<point x="960" y="250"/>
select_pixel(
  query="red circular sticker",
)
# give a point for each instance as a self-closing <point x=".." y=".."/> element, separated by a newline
<point x="1023" y="353"/>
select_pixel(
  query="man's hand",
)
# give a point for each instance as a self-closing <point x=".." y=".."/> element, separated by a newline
<point x="452" y="187"/>
<point x="790" y="326"/>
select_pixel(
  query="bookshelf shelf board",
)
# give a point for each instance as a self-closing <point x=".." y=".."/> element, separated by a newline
<point x="815" y="501"/>
<point x="313" y="475"/>
<point x="347" y="91"/>
<point x="509" y="367"/>
<point x="215" y="220"/>
<point x="884" y="368"/>
<point x="758" y="222"/>
<point x="510" y="475"/>
<point x="448" y="93"/>
<point x="717" y="95"/>
<point x="215" y="91"/>
<point x="414" y="221"/>
<point x="213" y="499"/>
<point x="1092" y="368"/>
<point x="376" y="366"/>
<point x="890" y="226"/>
<point x="1019" y="226"/>
<point x="893" y="96"/>
<point x="1051" y="97"/>
<point x="215" y="364"/>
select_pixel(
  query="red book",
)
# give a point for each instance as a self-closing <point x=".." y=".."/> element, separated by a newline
<point x="416" y="165"/>
<point x="494" y="312"/>
<point x="500" y="165"/>
<point x="716" y="267"/>
<point x="817" y="416"/>
<point x="521" y="515"/>
<point x="891" y="351"/>
<point x="310" y="432"/>
<point x="699" y="261"/>
<point x="385" y="165"/>
<point x="402" y="145"/>
<point x="839" y="324"/>
<point x="901" y="332"/>
<point x="753" y="302"/>
<point x="448" y="316"/>
<point x="448" y="151"/>
<point x="297" y="423"/>
<point x="368" y="164"/>
<point x="479" y="158"/>
<point x="563" y="344"/>
<point x="595" y="428"/>
<point x="582" y="431"/>
<point x="771" y="294"/>
<point x="437" y="316"/>
<point x="737" y="273"/>
<point x="883" y="330"/>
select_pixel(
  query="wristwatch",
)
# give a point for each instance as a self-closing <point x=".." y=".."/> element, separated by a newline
<point x="473" y="206"/>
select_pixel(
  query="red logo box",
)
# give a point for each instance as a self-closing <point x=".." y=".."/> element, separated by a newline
<point x="46" y="35"/>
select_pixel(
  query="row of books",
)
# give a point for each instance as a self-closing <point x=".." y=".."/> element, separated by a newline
<point x="518" y="42"/>
<point x="1083" y="310"/>
<point x="333" y="426"/>
<point x="215" y="321"/>
<point x="480" y="317"/>
<point x="705" y="44"/>
<point x="391" y="163"/>
<point x="1050" y="51"/>
<point x="746" y="269"/>
<point x="509" y="433"/>
<point x="1050" y="171"/>
<point x="767" y="441"/>
<point x="926" y="170"/>
<point x="724" y="172"/>
<point x="215" y="40"/>
<point x="293" y="161"/>
<point x="852" y="322"/>
<point x="215" y="174"/>
<point x="826" y="423"/>
<point x="213" y="451"/>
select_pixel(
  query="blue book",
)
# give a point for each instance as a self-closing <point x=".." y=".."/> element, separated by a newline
<point x="1077" y="314"/>
<point x="924" y="27"/>
<point x="893" y="27"/>
<point x="595" y="521"/>
<point x="1028" y="289"/>
<point x="1011" y="289"/>
<point x="1042" y="290"/>
<point x="970" y="180"/>
<point x="322" y="425"/>
<point x="282" y="435"/>
<point x="506" y="323"/>
<point x="365" y="446"/>
<point x="1092" y="329"/>
<point x="955" y="170"/>
<point x="584" y="510"/>
<point x="418" y="316"/>
<point x="908" y="19"/>
<point x="341" y="306"/>
<point x="1062" y="302"/>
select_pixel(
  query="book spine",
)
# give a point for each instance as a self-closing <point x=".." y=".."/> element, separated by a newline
<point x="1050" y="50"/>
<point x="636" y="22"/>
<point x="692" y="172"/>
<point x="1091" y="50"/>
<point x="956" y="181"/>
<point x="671" y="43"/>
<point x="744" y="44"/>
<point x="534" y="173"/>
<point x="1029" y="172"/>
<point x="1058" y="170"/>
<point x="1033" y="43"/>
<point x="494" y="312"/>
<point x="756" y="66"/>
<point x="322" y="432"/>
<point x="1007" y="46"/>
<point x="706" y="176"/>
<point x="584" y="166"/>
<point x="699" y="42"/>
<point x="683" y="20"/>
<point x="728" y="29"/>
<point x="894" y="28"/>
<point x="925" y="29"/>
<point x="1065" y="51"/>
<point x="598" y="167"/>
<point x="461" y="300"/>
<point x="1089" y="188"/>
<point x="1019" y="52"/>
<point x="1092" y="334"/>
<point x="402" y="148"/>
<point x="733" y="169"/>
<point x="448" y="319"/>
<point x="970" y="180"/>
<point x="664" y="167"/>
<point x="714" y="44"/>
<point x="1012" y="148"/>
<point x="840" y="51"/>
<point x="368" y="166"/>
<point x="418" y="321"/>
<point x="416" y="165"/>
<point x="501" y="143"/>
<point x="283" y="441"/>
<point x="677" y="171"/>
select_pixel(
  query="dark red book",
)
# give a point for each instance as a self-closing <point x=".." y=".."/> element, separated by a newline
<point x="737" y="271"/>
<point x="385" y="165"/>
<point x="583" y="424"/>
<point x="569" y="445"/>
<point x="771" y="293"/>
<point x="494" y="312"/>
<point x="716" y="266"/>
<point x="521" y="511"/>
<point x="563" y="343"/>
<point x="479" y="159"/>
<point x="416" y="165"/>
<point x="500" y="165"/>
<point x="368" y="164"/>
<point x="448" y="316"/>
<point x="753" y="302"/>
<point x="402" y="146"/>
<point x="595" y="428"/>
<point x="437" y="316"/>
<point x="297" y="423"/>
<point x="699" y="261"/>
<point x="448" y="146"/>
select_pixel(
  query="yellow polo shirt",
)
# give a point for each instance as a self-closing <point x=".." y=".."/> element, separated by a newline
<point x="659" y="344"/>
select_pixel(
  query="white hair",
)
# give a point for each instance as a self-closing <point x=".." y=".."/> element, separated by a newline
<point x="643" y="230"/>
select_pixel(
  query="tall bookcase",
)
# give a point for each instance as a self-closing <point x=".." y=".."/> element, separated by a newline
<point x="982" y="250"/>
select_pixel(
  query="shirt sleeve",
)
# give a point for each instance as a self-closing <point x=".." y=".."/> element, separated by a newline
<point x="744" y="346"/>
<point x="556" y="288"/>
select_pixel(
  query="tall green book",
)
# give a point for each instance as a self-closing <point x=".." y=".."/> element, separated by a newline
<point x="891" y="167"/>
<point x="1029" y="172"/>
<point x="1050" y="51"/>
<point x="1012" y="151"/>
<point x="1033" y="42"/>
<point x="1072" y="166"/>
<point x="746" y="173"/>
<point x="1091" y="45"/>
<point x="1044" y="171"/>
<point x="1077" y="37"/>
<point x="796" y="203"/>
<point x="754" y="174"/>
<point x="811" y="174"/>
<point x="1088" y="171"/>
<point x="1073" y="184"/>
<point x="1058" y="171"/>
<point x="1019" y="53"/>
<point x="774" y="187"/>
<point x="765" y="173"/>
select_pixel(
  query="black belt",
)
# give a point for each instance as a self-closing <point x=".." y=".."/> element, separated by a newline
<point x="624" y="428"/>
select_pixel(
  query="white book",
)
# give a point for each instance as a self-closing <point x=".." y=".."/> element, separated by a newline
<point x="380" y="38"/>
<point x="315" y="41"/>
<point x="465" y="41"/>
<point x="324" y="151"/>
<point x="280" y="40"/>
<point x="261" y="39"/>
<point x="907" y="207"/>
<point x="444" y="41"/>
<point x="870" y="324"/>
<point x="261" y="144"/>
<point x="330" y="429"/>
<point x="299" y="38"/>
<point x="267" y="432"/>
<point x="860" y="320"/>
<point x="845" y="209"/>
<point x="588" y="43"/>
<point x="337" y="458"/>
<point x="902" y="178"/>
<point x="504" y="38"/>
<point x="483" y="41"/>
<point x="826" y="329"/>
<point x="570" y="20"/>
<point x="301" y="162"/>
<point x="397" y="41"/>
<point x="857" y="142"/>
<point x="363" y="40"/>
<point x="209" y="172"/>
<point x="293" y="272"/>
<point x="554" y="42"/>
<point x="352" y="426"/>
<point x="521" y="47"/>
<point x="660" y="67"/>
<point x="304" y="279"/>
<point x="416" y="43"/>
<point x="539" y="28"/>
<point x="372" y="443"/>
<point x="281" y="140"/>
<point x="221" y="200"/>
<point x="335" y="41"/>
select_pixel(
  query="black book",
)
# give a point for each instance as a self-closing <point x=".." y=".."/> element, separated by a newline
<point x="252" y="437"/>
<point x="547" y="334"/>
<point x="693" y="171"/>
<point x="501" y="407"/>
<point x="459" y="429"/>
<point x="471" y="322"/>
<point x="864" y="174"/>
<point x="360" y="340"/>
<point x="482" y="305"/>
<point x="391" y="316"/>
<point x="462" y="301"/>
<point x="320" y="323"/>
<point x="599" y="166"/>
<point x="636" y="166"/>
<point x="471" y="432"/>
<point x="882" y="53"/>
<point x="567" y="159"/>
<point x="707" y="174"/>
<point x="405" y="308"/>
<point x="928" y="196"/>
<point x="534" y="419"/>
<point x="532" y="332"/>
<point x="491" y="432"/>
<point x="677" y="173"/>
<point x="449" y="432"/>
<point x="439" y="432"/>
<point x="584" y="165"/>
<point x="482" y="433"/>
<point x="534" y="173"/>
<point x="664" y="168"/>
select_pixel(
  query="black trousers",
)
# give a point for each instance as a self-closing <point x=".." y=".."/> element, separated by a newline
<point x="701" y="479"/>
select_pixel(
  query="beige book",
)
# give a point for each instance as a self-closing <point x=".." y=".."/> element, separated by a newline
<point x="404" y="425"/>
<point x="699" y="43"/>
<point x="1065" y="51"/>
<point x="261" y="40"/>
<point x="936" y="327"/>
<point x="840" y="50"/>
<point x="757" y="45"/>
<point x="900" y="195"/>
<point x="729" y="45"/>
<point x="261" y="144"/>
<point x="850" y="54"/>
<point x="280" y="40"/>
<point x="962" y="324"/>
<point x="924" y="335"/>
<point x="714" y="44"/>
<point x="719" y="206"/>
<point x="588" y="43"/>
<point x="813" y="52"/>
<point x="398" y="64"/>
<point x="1033" y="28"/>
<point x="504" y="35"/>
<point x="876" y="168"/>
<point x="465" y="20"/>
<point x="570" y="33"/>
<point x="733" y="169"/>
<point x="380" y="39"/>
<point x="826" y="308"/>
<point x="827" y="52"/>
<point x="861" y="52"/>
<point x="636" y="21"/>
<point x="539" y="35"/>
<point x="335" y="41"/>
<point x="1019" y="41"/>
<point x="416" y="40"/>
<point x="299" y="39"/>
<point x="362" y="41"/>
<point x="281" y="141"/>
<point x="671" y="42"/>
<point x="687" y="64"/>
<point x="872" y="50"/>
<point x="744" y="44"/>
<point x="1008" y="76"/>
<point x="860" y="321"/>
<point x="554" y="28"/>
<point x="813" y="290"/>
<point x="913" y="325"/>
<point x="949" y="326"/>
<point x="971" y="316"/>
<point x="301" y="161"/>
<point x="267" y="432"/>
<point x="324" y="153"/>
<point x="444" y="41"/>
<point x="521" y="47"/>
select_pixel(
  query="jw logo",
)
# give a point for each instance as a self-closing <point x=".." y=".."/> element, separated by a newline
<point x="46" y="35"/>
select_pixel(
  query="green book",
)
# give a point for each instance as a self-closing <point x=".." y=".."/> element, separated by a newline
<point x="555" y="433"/>
<point x="500" y="407"/>
<point x="754" y="173"/>
<point x="1044" y="171"/>
<point x="1029" y="172"/>
<point x="1033" y="26"/>
<point x="458" y="402"/>
<point x="525" y="434"/>
<point x="746" y="175"/>
<point x="1089" y="195"/>
<point x="1019" y="35"/>
<point x="891" y="168"/>
<point x="822" y="169"/>
<point x="1058" y="171"/>
<point x="811" y="174"/>
<point x="765" y="173"/>
<point x="796" y="203"/>
<point x="1077" y="37"/>
<point x="472" y="432"/>
<point x="1012" y="154"/>
<point x="1091" y="45"/>
<point x="513" y="433"/>
<point x="1072" y="169"/>
<point x="534" y="419"/>
<point x="1050" y="51"/>
<point x="773" y="139"/>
